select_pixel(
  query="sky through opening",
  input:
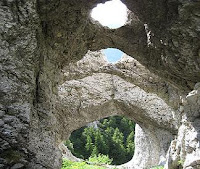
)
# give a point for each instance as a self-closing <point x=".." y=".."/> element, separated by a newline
<point x="112" y="14"/>
<point x="113" y="55"/>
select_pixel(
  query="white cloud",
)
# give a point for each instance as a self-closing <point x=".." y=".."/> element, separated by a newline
<point x="112" y="14"/>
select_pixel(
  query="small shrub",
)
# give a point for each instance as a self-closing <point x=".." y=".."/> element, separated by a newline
<point x="100" y="159"/>
<point x="67" y="164"/>
<point x="180" y="162"/>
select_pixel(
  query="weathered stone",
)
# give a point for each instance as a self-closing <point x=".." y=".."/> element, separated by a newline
<point x="67" y="153"/>
<point x="186" y="148"/>
<point x="159" y="139"/>
<point x="1" y="122"/>
<point x="2" y="166"/>
<point x="1" y="113"/>
<point x="38" y="41"/>
<point x="17" y="166"/>
<point x="105" y="94"/>
<point x="192" y="96"/>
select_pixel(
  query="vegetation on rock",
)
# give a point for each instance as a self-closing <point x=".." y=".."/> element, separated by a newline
<point x="95" y="162"/>
<point x="158" y="167"/>
<point x="113" y="136"/>
<point x="67" y="164"/>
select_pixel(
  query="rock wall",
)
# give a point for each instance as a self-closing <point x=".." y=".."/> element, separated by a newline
<point x="39" y="40"/>
<point x="185" y="149"/>
<point x="95" y="95"/>
<point x="19" y="62"/>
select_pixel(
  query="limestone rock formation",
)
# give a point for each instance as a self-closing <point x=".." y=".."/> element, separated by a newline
<point x="95" y="95"/>
<point x="45" y="95"/>
<point x="185" y="148"/>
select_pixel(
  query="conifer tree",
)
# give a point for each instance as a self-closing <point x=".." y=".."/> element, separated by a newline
<point x="89" y="145"/>
<point x="113" y="137"/>
<point x="130" y="146"/>
<point x="95" y="151"/>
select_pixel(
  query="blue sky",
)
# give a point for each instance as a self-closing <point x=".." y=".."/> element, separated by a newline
<point x="112" y="54"/>
<point x="114" y="15"/>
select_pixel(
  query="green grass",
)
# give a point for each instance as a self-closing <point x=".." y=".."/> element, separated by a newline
<point x="67" y="164"/>
<point x="100" y="159"/>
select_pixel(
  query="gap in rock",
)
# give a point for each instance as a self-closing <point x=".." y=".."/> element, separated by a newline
<point x="112" y="136"/>
<point x="113" y="14"/>
<point x="113" y="55"/>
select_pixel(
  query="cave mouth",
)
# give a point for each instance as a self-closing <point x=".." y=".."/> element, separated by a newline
<point x="112" y="14"/>
<point x="112" y="137"/>
<point x="113" y="55"/>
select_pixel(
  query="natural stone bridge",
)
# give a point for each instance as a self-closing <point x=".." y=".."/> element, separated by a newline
<point x="45" y="94"/>
<point x="100" y="95"/>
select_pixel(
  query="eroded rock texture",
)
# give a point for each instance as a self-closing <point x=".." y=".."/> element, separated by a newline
<point x="45" y="95"/>
<point x="100" y="90"/>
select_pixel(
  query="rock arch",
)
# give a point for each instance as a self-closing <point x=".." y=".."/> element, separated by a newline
<point x="105" y="93"/>
<point x="102" y="95"/>
<point x="40" y="38"/>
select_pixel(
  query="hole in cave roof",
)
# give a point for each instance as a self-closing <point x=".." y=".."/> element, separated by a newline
<point x="113" y="55"/>
<point x="112" y="14"/>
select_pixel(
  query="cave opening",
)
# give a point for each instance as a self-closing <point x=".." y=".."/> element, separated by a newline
<point x="112" y="14"/>
<point x="107" y="141"/>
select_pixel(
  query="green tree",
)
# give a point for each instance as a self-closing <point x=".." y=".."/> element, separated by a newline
<point x="130" y="146"/>
<point x="89" y="145"/>
<point x="100" y="142"/>
<point x="119" y="151"/>
<point x="69" y="144"/>
<point x="95" y="151"/>
<point x="118" y="137"/>
<point x="113" y="137"/>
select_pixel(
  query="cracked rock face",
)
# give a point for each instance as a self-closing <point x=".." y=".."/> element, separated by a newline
<point x="95" y="95"/>
<point x="186" y="148"/>
<point x="45" y="93"/>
